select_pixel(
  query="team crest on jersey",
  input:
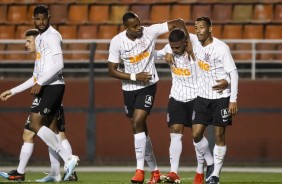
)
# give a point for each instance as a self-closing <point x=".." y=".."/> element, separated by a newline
<point x="207" y="57"/>
<point x="148" y="101"/>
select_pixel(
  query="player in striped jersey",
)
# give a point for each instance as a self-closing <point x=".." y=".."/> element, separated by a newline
<point x="184" y="90"/>
<point x="134" y="48"/>
<point x="213" y="108"/>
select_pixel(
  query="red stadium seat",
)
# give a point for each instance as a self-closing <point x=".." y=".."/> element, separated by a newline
<point x="3" y="11"/>
<point x="21" y="29"/>
<point x="17" y="14"/>
<point x="68" y="31"/>
<point x="217" y="31"/>
<point x="266" y="47"/>
<point x="99" y="14"/>
<point x="78" y="14"/>
<point x="7" y="31"/>
<point x="181" y="11"/>
<point x="73" y="50"/>
<point x="200" y="10"/>
<point x="244" y="47"/>
<point x="15" y="48"/>
<point x="2" y="48"/>
<point x="263" y="12"/>
<point x="273" y="32"/>
<point x="278" y="13"/>
<point x="117" y="11"/>
<point x="156" y="16"/>
<point x="253" y="32"/>
<point x="87" y="32"/>
<point x="232" y="32"/>
<point x="143" y="12"/>
<point x="59" y="13"/>
<point x="222" y="13"/>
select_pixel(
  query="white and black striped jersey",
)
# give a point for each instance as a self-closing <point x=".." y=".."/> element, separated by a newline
<point x="185" y="76"/>
<point x="215" y="62"/>
<point x="47" y="45"/>
<point x="137" y="56"/>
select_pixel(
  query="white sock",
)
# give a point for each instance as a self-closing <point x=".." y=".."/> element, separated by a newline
<point x="207" y="153"/>
<point x="218" y="153"/>
<point x="26" y="152"/>
<point x="67" y="146"/>
<point x="200" y="151"/>
<point x="55" y="162"/>
<point x="175" y="150"/>
<point x="140" y="145"/>
<point x="49" y="137"/>
<point x="149" y="155"/>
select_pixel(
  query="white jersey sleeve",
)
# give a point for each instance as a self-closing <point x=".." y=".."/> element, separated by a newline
<point x="25" y="85"/>
<point x="54" y="42"/>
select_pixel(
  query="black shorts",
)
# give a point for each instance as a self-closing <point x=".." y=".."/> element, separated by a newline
<point x="212" y="112"/>
<point x="49" y="100"/>
<point x="139" y="99"/>
<point x="180" y="112"/>
<point x="60" y="115"/>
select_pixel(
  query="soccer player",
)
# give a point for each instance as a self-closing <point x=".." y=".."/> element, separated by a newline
<point x="58" y="125"/>
<point x="184" y="90"/>
<point x="213" y="108"/>
<point x="134" y="48"/>
<point x="48" y="85"/>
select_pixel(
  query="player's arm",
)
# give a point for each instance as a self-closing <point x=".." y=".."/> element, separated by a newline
<point x="232" y="108"/>
<point x="9" y="93"/>
<point x="179" y="23"/>
<point x="114" y="72"/>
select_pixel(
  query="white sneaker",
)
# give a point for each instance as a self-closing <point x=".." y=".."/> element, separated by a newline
<point x="70" y="166"/>
<point x="50" y="178"/>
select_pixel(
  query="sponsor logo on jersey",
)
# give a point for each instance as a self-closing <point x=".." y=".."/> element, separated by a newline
<point x="38" y="56"/>
<point x="181" y="71"/>
<point x="143" y="55"/>
<point x="204" y="65"/>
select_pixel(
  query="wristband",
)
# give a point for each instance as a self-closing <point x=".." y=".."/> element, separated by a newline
<point x="133" y="76"/>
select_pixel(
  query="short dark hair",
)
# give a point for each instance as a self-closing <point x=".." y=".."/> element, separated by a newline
<point x="206" y="19"/>
<point x="41" y="9"/>
<point x="128" y="15"/>
<point x="177" y="35"/>
<point x="32" y="32"/>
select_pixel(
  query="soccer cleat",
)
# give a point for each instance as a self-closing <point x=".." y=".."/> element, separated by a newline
<point x="171" y="177"/>
<point x="155" y="177"/>
<point x="72" y="177"/>
<point x="214" y="180"/>
<point x="199" y="179"/>
<point x="70" y="166"/>
<point x="50" y="178"/>
<point x="138" y="178"/>
<point x="209" y="172"/>
<point x="15" y="176"/>
<point x="4" y="175"/>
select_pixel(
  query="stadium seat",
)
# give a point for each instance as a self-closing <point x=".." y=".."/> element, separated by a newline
<point x="266" y="47"/>
<point x="7" y="1"/>
<point x="3" y="11"/>
<point x="279" y="56"/>
<point x="278" y="13"/>
<point x="273" y="32"/>
<point x="21" y="29"/>
<point x="181" y="11"/>
<point x="59" y="13"/>
<point x="117" y="11"/>
<point x="253" y="31"/>
<point x="143" y="12"/>
<point x="217" y="31"/>
<point x="29" y="16"/>
<point x="17" y="14"/>
<point x="2" y="48"/>
<point x="7" y="31"/>
<point x="74" y="49"/>
<point x="222" y="13"/>
<point x="243" y="47"/>
<point x="242" y="13"/>
<point x="156" y="16"/>
<point x="107" y="31"/>
<point x="78" y="14"/>
<point x="87" y="32"/>
<point x="15" y="52"/>
<point x="200" y="10"/>
<point x="99" y="13"/>
<point x="263" y="12"/>
<point x="68" y="31"/>
<point x="232" y="32"/>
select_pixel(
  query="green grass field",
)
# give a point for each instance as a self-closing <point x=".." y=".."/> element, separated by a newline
<point x="124" y="178"/>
